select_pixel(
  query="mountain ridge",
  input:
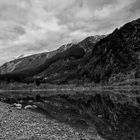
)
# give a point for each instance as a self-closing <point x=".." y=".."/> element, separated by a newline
<point x="117" y="53"/>
<point x="96" y="59"/>
<point x="24" y="68"/>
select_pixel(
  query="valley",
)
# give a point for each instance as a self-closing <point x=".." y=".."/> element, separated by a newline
<point x="91" y="88"/>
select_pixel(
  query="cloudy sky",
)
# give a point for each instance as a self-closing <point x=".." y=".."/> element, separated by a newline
<point x="33" y="26"/>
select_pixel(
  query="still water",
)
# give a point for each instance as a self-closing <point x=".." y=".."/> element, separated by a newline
<point x="115" y="114"/>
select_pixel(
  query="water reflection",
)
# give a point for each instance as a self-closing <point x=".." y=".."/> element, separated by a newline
<point x="115" y="114"/>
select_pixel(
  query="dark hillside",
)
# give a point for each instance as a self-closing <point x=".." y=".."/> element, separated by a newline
<point x="117" y="53"/>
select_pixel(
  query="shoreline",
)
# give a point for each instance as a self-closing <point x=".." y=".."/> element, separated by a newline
<point x="29" y="125"/>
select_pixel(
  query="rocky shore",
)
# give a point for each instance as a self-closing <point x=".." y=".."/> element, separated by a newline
<point x="28" y="125"/>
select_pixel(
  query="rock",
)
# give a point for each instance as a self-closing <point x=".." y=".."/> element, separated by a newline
<point x="30" y="101"/>
<point x="34" y="106"/>
<point x="28" y="107"/>
<point x="100" y="116"/>
<point x="3" y="99"/>
<point x="16" y="105"/>
<point x="46" y="101"/>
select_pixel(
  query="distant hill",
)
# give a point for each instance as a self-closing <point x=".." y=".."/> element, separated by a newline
<point x="29" y="62"/>
<point x="49" y="64"/>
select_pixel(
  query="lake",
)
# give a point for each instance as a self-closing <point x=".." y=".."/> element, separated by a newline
<point x="114" y="113"/>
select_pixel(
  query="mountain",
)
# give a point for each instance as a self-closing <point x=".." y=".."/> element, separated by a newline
<point x="96" y="58"/>
<point x="29" y="62"/>
<point x="49" y="65"/>
<point x="119" y="52"/>
<point x="64" y="70"/>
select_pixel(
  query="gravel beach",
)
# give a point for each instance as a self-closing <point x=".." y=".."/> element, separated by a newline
<point x="28" y="125"/>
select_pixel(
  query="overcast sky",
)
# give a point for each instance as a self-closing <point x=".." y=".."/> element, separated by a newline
<point x="33" y="26"/>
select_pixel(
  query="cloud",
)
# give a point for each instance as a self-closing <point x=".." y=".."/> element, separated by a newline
<point x="33" y="26"/>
